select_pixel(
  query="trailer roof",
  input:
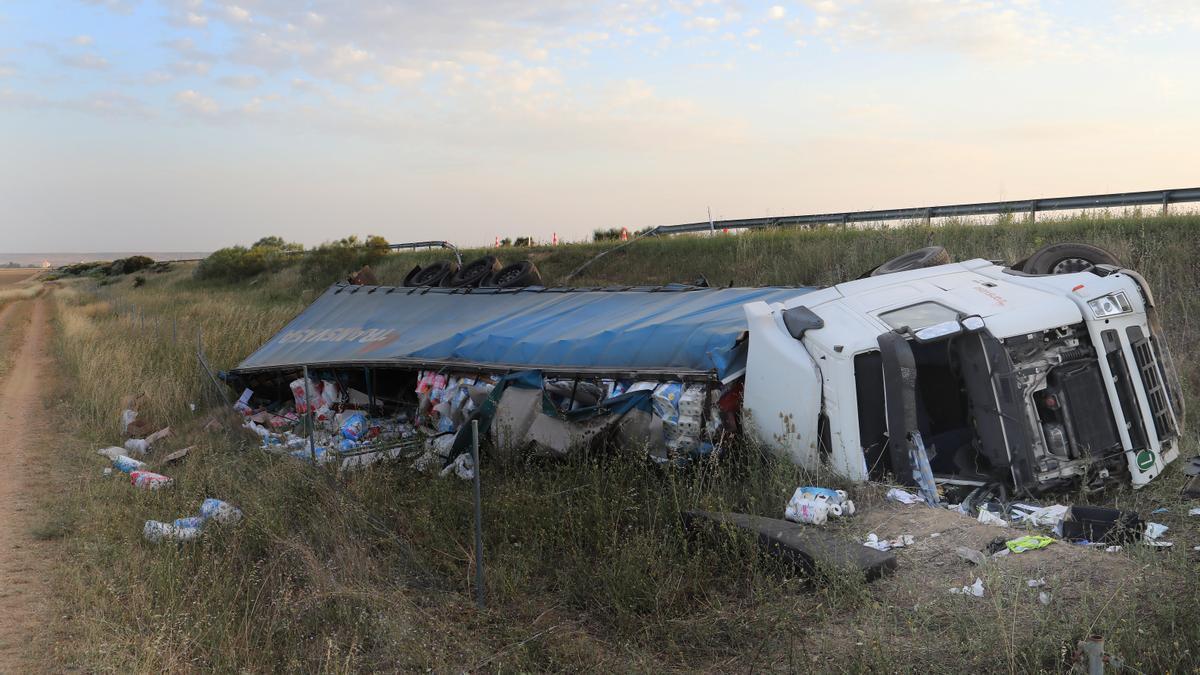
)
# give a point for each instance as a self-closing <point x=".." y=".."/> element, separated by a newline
<point x="664" y="330"/>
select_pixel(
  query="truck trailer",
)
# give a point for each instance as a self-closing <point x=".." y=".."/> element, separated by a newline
<point x="990" y="373"/>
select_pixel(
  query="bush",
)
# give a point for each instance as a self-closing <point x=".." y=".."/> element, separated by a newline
<point x="236" y="263"/>
<point x="335" y="260"/>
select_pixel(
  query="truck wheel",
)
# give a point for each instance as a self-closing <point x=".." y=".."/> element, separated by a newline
<point x="516" y="275"/>
<point x="431" y="275"/>
<point x="1067" y="258"/>
<point x="475" y="272"/>
<point x="930" y="256"/>
<point x="408" y="278"/>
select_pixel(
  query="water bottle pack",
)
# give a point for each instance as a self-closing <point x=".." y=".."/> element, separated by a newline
<point x="815" y="505"/>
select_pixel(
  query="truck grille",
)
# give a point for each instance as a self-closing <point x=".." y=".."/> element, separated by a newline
<point x="1156" y="391"/>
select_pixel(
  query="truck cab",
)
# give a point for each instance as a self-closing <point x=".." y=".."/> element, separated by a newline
<point x="1034" y="381"/>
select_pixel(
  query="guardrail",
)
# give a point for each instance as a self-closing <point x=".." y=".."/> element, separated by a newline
<point x="1031" y="206"/>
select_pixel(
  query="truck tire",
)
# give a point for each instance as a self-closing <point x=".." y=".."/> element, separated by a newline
<point x="433" y="274"/>
<point x="475" y="272"/>
<point x="516" y="275"/>
<point x="408" y="278"/>
<point x="1066" y="258"/>
<point x="930" y="256"/>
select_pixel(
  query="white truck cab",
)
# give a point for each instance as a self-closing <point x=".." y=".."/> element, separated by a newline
<point x="1028" y="380"/>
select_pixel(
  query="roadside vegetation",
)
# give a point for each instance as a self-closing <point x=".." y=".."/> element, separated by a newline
<point x="587" y="566"/>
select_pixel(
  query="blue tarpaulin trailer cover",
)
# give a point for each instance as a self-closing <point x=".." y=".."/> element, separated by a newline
<point x="664" y="331"/>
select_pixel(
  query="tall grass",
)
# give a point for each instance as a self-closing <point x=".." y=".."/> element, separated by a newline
<point x="587" y="565"/>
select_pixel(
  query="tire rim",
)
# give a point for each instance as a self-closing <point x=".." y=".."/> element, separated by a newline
<point x="1069" y="265"/>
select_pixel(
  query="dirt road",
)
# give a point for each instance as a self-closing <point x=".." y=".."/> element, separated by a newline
<point x="24" y="591"/>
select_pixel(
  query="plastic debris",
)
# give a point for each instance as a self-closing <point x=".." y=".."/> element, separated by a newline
<point x="988" y="518"/>
<point x="970" y="555"/>
<point x="191" y="527"/>
<point x="1155" y="530"/>
<point x="1195" y="511"/>
<point x="222" y="512"/>
<point x="902" y="496"/>
<point x="1161" y="509"/>
<point x="177" y="455"/>
<point x="127" y="464"/>
<point x="1041" y="516"/>
<point x="1035" y="583"/>
<point x="815" y="505"/>
<point x="873" y="541"/>
<point x="1112" y="549"/>
<point x="111" y="452"/>
<point x="149" y="480"/>
<point x="155" y="531"/>
<point x="106" y="471"/>
<point x="975" y="589"/>
<point x="127" y="418"/>
<point x="1044" y="597"/>
<point x="1029" y="542"/>
<point x="462" y="466"/>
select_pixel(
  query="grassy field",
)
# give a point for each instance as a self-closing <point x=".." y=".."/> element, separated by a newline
<point x="587" y="566"/>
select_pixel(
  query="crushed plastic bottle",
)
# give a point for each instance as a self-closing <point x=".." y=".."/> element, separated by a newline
<point x="354" y="427"/>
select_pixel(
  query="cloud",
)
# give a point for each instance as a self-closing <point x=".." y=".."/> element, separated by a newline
<point x="196" y="20"/>
<point x="708" y="23"/>
<point x="238" y="14"/>
<point x="776" y="12"/>
<point x="88" y="61"/>
<point x="240" y="81"/>
<point x="977" y="28"/>
<point x="7" y="70"/>
<point x="193" y="102"/>
<point x="83" y="40"/>
<point x="400" y="75"/>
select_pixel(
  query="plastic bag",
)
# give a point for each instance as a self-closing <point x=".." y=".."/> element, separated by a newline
<point x="149" y="480"/>
<point x="219" y="511"/>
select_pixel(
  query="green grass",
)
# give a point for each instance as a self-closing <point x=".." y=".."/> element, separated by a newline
<point x="587" y="565"/>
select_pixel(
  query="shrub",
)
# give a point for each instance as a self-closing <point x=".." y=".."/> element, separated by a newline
<point x="235" y="263"/>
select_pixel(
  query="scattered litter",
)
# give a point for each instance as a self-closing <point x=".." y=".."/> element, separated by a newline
<point x="177" y="455"/>
<point x="106" y="471"/>
<point x="127" y="464"/>
<point x="127" y="418"/>
<point x="1155" y="530"/>
<point x="1029" y="542"/>
<point x="1112" y="549"/>
<point x="112" y="452"/>
<point x="988" y="518"/>
<point x="1100" y="524"/>
<point x="1195" y="511"/>
<point x="149" y="480"/>
<point x="975" y="589"/>
<point x="1041" y="516"/>
<point x="142" y="445"/>
<point x="902" y="496"/>
<point x="970" y="555"/>
<point x="155" y="531"/>
<point x="1035" y="583"/>
<point x="815" y="505"/>
<point x="462" y="466"/>
<point x="1044" y="597"/>
<point x="190" y="528"/>
<point x="222" y="512"/>
<point x="873" y="541"/>
<point x="1161" y="509"/>
<point x="935" y="534"/>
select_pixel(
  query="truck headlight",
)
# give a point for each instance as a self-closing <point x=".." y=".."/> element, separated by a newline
<point x="1112" y="304"/>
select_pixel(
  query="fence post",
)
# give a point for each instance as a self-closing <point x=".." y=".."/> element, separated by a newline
<point x="312" y="450"/>
<point x="478" y="516"/>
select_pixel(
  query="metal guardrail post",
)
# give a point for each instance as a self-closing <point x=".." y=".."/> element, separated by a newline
<point x="478" y="515"/>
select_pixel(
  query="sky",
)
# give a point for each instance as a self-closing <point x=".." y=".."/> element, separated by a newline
<point x="194" y="124"/>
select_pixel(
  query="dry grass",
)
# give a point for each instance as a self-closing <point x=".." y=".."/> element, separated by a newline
<point x="587" y="567"/>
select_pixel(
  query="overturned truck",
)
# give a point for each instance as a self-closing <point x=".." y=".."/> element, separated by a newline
<point x="1034" y="380"/>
